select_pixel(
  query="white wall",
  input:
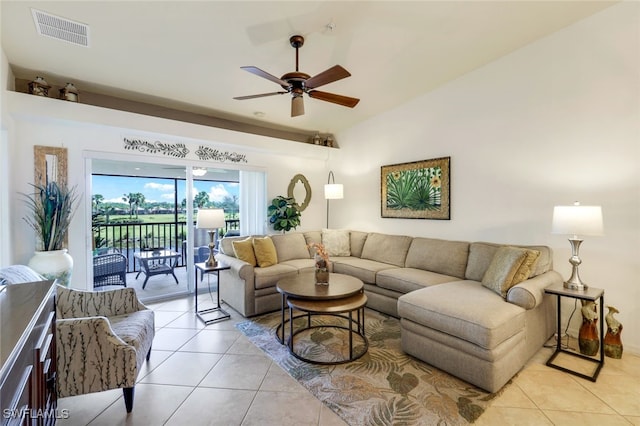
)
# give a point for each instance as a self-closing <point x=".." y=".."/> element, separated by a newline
<point x="551" y="123"/>
<point x="89" y="131"/>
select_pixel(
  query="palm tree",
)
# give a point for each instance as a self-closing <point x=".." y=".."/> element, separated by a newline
<point x="134" y="199"/>
<point x="97" y="199"/>
<point x="201" y="199"/>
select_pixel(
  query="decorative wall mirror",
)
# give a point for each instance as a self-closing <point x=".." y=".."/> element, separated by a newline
<point x="50" y="165"/>
<point x="299" y="189"/>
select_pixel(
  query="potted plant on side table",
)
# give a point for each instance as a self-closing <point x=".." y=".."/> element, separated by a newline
<point x="51" y="209"/>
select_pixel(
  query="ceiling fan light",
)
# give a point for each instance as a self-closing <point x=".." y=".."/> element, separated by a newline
<point x="297" y="105"/>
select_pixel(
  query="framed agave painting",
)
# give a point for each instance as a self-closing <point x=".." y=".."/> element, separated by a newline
<point x="417" y="190"/>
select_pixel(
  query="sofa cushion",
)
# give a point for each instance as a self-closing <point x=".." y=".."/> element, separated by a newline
<point x="243" y="250"/>
<point x="290" y="246"/>
<point x="386" y="248"/>
<point x="336" y="242"/>
<point x="503" y="268"/>
<point x="363" y="269"/>
<point x="481" y="254"/>
<point x="441" y="256"/>
<point x="270" y="275"/>
<point x="311" y="237"/>
<point x="265" y="250"/>
<point x="357" y="240"/>
<point x="404" y="280"/>
<point x="302" y="265"/>
<point x="465" y="309"/>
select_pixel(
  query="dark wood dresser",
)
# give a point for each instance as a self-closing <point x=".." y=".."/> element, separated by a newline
<point x="28" y="354"/>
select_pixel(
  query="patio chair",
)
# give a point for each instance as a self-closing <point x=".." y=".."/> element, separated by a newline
<point x="109" y="269"/>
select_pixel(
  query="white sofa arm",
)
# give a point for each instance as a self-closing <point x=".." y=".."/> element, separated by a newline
<point x="530" y="293"/>
<point x="243" y="269"/>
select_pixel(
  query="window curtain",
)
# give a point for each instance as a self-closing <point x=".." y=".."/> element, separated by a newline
<point x="253" y="202"/>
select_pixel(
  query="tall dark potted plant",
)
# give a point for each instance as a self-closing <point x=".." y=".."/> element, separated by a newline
<point x="283" y="214"/>
<point x="51" y="209"/>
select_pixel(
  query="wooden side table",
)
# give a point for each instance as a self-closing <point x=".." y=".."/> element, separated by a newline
<point x="591" y="294"/>
<point x="220" y="314"/>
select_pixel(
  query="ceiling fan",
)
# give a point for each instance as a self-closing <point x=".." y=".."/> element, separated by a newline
<point x="298" y="83"/>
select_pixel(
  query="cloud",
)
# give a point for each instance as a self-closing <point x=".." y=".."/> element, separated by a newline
<point x="218" y="193"/>
<point x="163" y="187"/>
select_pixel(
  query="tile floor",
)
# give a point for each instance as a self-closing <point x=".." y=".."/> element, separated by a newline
<point x="213" y="375"/>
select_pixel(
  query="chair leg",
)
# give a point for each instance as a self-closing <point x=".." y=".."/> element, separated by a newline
<point x="128" y="398"/>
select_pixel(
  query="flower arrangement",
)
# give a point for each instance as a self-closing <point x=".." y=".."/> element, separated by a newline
<point x="322" y="263"/>
<point x="322" y="255"/>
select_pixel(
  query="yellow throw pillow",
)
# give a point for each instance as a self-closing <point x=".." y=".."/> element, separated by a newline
<point x="502" y="269"/>
<point x="265" y="252"/>
<point x="243" y="249"/>
<point x="527" y="267"/>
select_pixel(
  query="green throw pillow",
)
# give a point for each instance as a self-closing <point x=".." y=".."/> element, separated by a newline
<point x="502" y="270"/>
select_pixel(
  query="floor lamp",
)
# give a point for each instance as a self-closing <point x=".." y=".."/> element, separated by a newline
<point x="211" y="220"/>
<point x="576" y="220"/>
<point x="332" y="191"/>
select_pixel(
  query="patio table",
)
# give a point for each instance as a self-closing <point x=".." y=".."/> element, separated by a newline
<point x="157" y="262"/>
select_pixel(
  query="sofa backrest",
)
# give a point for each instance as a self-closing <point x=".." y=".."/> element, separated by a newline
<point x="386" y="248"/>
<point x="357" y="240"/>
<point x="226" y="245"/>
<point x="481" y="254"/>
<point x="441" y="256"/>
<point x="289" y="246"/>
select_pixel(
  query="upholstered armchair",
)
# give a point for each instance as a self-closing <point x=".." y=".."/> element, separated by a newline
<point x="102" y="340"/>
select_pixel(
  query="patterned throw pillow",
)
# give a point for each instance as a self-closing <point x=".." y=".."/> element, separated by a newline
<point x="243" y="250"/>
<point x="265" y="252"/>
<point x="502" y="270"/>
<point x="336" y="242"/>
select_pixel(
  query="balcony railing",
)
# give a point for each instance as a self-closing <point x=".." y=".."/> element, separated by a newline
<point x="131" y="237"/>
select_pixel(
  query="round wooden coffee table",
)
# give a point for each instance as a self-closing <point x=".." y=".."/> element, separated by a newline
<point x="343" y="297"/>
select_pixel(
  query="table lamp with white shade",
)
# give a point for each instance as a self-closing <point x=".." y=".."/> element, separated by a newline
<point x="211" y="220"/>
<point x="576" y="220"/>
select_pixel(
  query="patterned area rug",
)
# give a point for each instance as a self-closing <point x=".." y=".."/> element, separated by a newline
<point x="383" y="387"/>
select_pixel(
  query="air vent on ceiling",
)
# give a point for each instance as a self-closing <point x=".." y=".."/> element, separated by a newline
<point x="61" y="28"/>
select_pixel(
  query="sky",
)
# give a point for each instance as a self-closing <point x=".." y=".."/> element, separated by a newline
<point x="113" y="188"/>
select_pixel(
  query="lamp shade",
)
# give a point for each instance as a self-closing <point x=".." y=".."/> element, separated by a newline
<point x="333" y="191"/>
<point x="210" y="219"/>
<point x="577" y="220"/>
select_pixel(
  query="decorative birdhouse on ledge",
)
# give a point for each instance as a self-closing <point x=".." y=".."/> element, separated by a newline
<point x="39" y="87"/>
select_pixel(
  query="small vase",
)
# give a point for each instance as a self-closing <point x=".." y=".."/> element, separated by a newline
<point x="588" y="337"/>
<point x="53" y="265"/>
<point x="322" y="277"/>
<point x="612" y="340"/>
<point x="322" y="272"/>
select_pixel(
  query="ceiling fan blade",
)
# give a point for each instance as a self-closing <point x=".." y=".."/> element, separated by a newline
<point x="334" y="73"/>
<point x="262" y="95"/>
<point x="332" y="97"/>
<point x="257" y="71"/>
<point x="297" y="106"/>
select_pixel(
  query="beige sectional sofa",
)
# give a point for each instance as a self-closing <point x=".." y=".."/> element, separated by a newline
<point x="448" y="318"/>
